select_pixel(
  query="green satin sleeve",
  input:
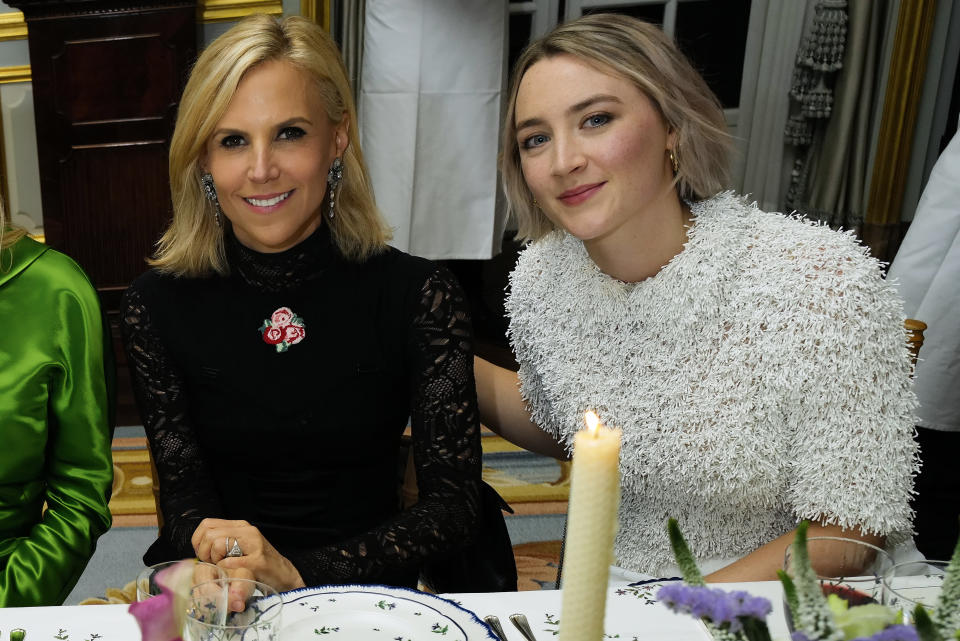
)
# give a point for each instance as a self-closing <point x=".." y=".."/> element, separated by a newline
<point x="55" y="425"/>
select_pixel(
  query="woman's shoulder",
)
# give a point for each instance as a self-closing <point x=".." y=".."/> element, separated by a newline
<point x="556" y="255"/>
<point x="53" y="270"/>
<point x="160" y="283"/>
<point x="399" y="271"/>
<point x="779" y="241"/>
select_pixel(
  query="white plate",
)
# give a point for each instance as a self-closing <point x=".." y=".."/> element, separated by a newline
<point x="376" y="612"/>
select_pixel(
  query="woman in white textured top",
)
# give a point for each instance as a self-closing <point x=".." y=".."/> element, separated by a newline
<point x="756" y="362"/>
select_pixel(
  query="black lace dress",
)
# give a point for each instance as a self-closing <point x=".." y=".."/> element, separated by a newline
<point x="279" y="395"/>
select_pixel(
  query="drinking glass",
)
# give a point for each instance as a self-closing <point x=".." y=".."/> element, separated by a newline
<point x="146" y="580"/>
<point x="849" y="568"/>
<point x="210" y="619"/>
<point x="907" y="585"/>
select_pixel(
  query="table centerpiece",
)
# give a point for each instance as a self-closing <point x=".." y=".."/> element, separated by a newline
<point x="737" y="616"/>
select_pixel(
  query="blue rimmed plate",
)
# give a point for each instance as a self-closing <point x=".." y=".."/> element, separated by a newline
<point x="376" y="612"/>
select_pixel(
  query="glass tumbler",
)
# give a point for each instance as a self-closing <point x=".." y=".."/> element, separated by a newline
<point x="209" y="617"/>
<point x="907" y="585"/>
<point x="147" y="584"/>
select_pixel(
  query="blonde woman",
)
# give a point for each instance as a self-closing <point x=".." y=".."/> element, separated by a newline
<point x="279" y="345"/>
<point x="756" y="363"/>
<point x="56" y="395"/>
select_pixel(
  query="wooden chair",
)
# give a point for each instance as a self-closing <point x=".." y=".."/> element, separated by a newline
<point x="914" y="336"/>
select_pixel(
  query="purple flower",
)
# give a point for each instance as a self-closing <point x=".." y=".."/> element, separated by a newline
<point x="893" y="633"/>
<point x="717" y="606"/>
<point x="674" y="596"/>
<point x="756" y="607"/>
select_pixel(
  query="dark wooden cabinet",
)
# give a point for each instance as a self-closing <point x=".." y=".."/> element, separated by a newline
<point x="107" y="77"/>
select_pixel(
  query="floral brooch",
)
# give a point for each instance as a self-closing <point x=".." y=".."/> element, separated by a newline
<point x="283" y="329"/>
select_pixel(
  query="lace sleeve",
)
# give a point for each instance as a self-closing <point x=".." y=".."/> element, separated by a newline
<point x="447" y="451"/>
<point x="187" y="495"/>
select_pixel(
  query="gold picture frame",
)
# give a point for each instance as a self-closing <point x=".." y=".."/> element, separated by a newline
<point x="316" y="10"/>
<point x="14" y="27"/>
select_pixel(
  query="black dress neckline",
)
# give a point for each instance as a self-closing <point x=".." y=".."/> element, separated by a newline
<point x="283" y="270"/>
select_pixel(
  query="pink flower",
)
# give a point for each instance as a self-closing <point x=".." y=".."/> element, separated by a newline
<point x="293" y="334"/>
<point x="282" y="317"/>
<point x="161" y="617"/>
<point x="272" y="335"/>
<point x="156" y="619"/>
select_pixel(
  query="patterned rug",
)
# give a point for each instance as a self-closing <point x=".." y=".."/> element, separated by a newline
<point x="536" y="487"/>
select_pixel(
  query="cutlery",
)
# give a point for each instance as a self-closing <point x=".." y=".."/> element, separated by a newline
<point x="520" y="621"/>
<point x="18" y="634"/>
<point x="494" y="624"/>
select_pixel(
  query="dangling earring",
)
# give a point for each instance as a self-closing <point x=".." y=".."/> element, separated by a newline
<point x="536" y="203"/>
<point x="210" y="191"/>
<point x="334" y="177"/>
<point x="675" y="161"/>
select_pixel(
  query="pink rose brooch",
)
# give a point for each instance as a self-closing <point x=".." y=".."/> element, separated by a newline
<point x="283" y="329"/>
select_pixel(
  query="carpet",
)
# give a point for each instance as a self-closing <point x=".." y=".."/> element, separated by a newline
<point x="132" y="501"/>
<point x="536" y="487"/>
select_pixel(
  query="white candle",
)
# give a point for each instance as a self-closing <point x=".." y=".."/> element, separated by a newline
<point x="591" y="526"/>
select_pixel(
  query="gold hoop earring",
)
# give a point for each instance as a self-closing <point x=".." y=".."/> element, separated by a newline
<point x="675" y="162"/>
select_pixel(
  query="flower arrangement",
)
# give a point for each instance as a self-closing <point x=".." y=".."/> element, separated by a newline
<point x="737" y="616"/>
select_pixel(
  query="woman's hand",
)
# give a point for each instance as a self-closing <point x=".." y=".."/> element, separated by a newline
<point x="762" y="564"/>
<point x="214" y="538"/>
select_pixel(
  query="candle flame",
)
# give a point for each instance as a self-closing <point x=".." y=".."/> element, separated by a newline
<point x="592" y="421"/>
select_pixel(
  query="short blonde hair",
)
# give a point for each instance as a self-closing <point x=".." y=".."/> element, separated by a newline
<point x="644" y="55"/>
<point x="193" y="244"/>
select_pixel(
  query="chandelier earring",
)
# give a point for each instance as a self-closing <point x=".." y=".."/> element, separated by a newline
<point x="210" y="191"/>
<point x="334" y="178"/>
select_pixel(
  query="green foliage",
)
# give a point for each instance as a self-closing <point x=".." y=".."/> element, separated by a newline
<point x="812" y="614"/>
<point x="789" y="591"/>
<point x="926" y="629"/>
<point x="681" y="552"/>
<point x="946" y="616"/>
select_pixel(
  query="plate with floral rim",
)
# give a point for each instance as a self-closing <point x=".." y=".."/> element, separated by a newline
<point x="375" y="613"/>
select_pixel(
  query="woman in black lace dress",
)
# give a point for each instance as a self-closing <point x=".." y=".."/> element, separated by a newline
<point x="278" y="345"/>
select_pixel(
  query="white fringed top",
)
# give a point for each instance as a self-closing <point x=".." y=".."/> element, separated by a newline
<point x="761" y="377"/>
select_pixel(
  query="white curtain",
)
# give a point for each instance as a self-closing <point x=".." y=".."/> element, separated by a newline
<point x="764" y="100"/>
<point x="348" y="17"/>
<point x="927" y="268"/>
<point x="433" y="76"/>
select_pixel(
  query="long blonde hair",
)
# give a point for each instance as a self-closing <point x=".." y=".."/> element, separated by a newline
<point x="193" y="244"/>
<point x="8" y="236"/>
<point x="641" y="53"/>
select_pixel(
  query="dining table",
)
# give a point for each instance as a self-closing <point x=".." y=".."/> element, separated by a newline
<point x="632" y="613"/>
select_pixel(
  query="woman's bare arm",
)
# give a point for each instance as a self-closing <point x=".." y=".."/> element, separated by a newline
<point x="502" y="410"/>
<point x="762" y="564"/>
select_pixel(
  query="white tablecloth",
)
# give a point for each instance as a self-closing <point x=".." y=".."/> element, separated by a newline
<point x="633" y="613"/>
